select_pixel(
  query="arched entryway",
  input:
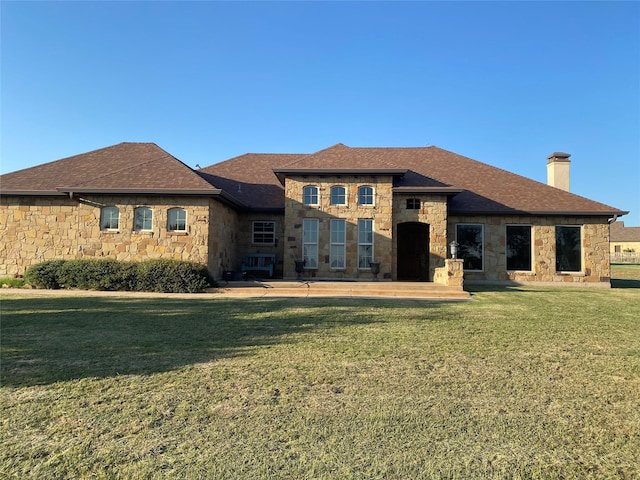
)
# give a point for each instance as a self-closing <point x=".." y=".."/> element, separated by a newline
<point x="413" y="251"/>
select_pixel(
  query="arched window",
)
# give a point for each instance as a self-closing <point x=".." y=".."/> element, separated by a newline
<point x="338" y="195"/>
<point x="310" y="195"/>
<point x="110" y="218"/>
<point x="177" y="220"/>
<point x="365" y="195"/>
<point x="142" y="219"/>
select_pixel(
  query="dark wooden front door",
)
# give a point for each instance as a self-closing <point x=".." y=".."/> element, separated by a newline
<point x="413" y="251"/>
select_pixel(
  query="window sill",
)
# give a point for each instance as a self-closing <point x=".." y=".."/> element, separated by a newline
<point x="177" y="233"/>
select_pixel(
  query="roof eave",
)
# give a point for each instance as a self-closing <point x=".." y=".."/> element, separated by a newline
<point x="281" y="173"/>
<point x="430" y="190"/>
<point x="34" y="193"/>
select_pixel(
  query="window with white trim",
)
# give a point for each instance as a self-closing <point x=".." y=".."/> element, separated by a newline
<point x="470" y="238"/>
<point x="310" y="195"/>
<point x="264" y="233"/>
<point x="110" y="218"/>
<point x="142" y="219"/>
<point x="365" y="195"/>
<point x="338" y="195"/>
<point x="519" y="247"/>
<point x="337" y="251"/>
<point x="177" y="220"/>
<point x="365" y="243"/>
<point x="310" y="242"/>
<point x="568" y="248"/>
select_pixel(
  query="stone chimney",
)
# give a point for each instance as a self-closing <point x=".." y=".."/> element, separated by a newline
<point x="558" y="170"/>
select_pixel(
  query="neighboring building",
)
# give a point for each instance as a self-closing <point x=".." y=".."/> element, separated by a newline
<point x="339" y="209"/>
<point x="625" y="243"/>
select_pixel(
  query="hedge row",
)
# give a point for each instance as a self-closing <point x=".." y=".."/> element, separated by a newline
<point x="173" y="276"/>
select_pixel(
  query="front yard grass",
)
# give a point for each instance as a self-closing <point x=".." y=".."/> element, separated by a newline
<point x="519" y="383"/>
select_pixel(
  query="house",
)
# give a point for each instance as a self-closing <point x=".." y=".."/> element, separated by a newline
<point x="339" y="210"/>
<point x="624" y="243"/>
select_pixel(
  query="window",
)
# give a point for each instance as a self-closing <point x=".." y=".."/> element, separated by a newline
<point x="142" y="218"/>
<point x="470" y="240"/>
<point x="110" y="218"/>
<point x="413" y="204"/>
<point x="310" y="242"/>
<point x="338" y="236"/>
<point x="519" y="247"/>
<point x="338" y="195"/>
<point x="568" y="250"/>
<point x="177" y="220"/>
<point x="264" y="233"/>
<point x="365" y="195"/>
<point x="365" y="243"/>
<point x="310" y="195"/>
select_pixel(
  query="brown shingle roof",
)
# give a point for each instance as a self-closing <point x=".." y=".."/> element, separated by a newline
<point x="486" y="189"/>
<point x="123" y="168"/>
<point x="249" y="180"/>
<point x="620" y="233"/>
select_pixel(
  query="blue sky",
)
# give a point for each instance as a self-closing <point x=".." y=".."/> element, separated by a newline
<point x="505" y="83"/>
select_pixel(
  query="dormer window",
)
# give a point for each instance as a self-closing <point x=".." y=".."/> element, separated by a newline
<point x="310" y="195"/>
<point x="365" y="195"/>
<point x="338" y="195"/>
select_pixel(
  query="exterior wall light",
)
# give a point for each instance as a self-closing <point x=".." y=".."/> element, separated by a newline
<point x="454" y="249"/>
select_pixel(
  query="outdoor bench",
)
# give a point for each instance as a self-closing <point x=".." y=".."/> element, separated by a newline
<point x="259" y="262"/>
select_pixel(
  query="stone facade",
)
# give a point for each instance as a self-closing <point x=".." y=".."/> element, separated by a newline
<point x="381" y="212"/>
<point x="45" y="228"/>
<point x="432" y="212"/>
<point x="594" y="243"/>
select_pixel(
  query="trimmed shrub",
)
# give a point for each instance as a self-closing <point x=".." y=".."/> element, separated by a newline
<point x="12" y="282"/>
<point x="94" y="274"/>
<point x="45" y="274"/>
<point x="170" y="276"/>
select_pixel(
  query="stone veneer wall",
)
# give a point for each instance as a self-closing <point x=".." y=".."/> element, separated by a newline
<point x="595" y="249"/>
<point x="381" y="213"/>
<point x="245" y="243"/>
<point x="223" y="238"/>
<point x="43" y="228"/>
<point x="433" y="211"/>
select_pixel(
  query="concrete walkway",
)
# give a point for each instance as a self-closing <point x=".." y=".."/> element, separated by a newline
<point x="283" y="289"/>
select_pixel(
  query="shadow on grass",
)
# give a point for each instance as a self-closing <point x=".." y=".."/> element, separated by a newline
<point x="624" y="283"/>
<point x="45" y="340"/>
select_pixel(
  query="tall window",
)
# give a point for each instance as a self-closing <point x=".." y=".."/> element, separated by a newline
<point x="568" y="249"/>
<point x="310" y="242"/>
<point x="470" y="238"/>
<point x="519" y="247"/>
<point x="142" y="218"/>
<point x="365" y="195"/>
<point x="338" y="237"/>
<point x="264" y="233"/>
<point x="338" y="195"/>
<point x="310" y="195"/>
<point x="365" y="243"/>
<point x="110" y="218"/>
<point x="177" y="220"/>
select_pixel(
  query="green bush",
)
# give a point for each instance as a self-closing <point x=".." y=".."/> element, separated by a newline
<point x="94" y="274"/>
<point x="45" y="274"/>
<point x="171" y="276"/>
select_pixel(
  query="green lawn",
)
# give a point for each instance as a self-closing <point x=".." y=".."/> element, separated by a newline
<point x="519" y="383"/>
